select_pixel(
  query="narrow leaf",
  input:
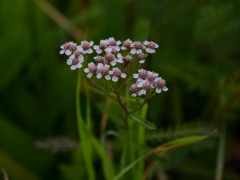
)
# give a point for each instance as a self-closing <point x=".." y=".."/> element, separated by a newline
<point x="146" y="124"/>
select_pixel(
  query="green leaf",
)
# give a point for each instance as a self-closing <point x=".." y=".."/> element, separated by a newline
<point x="146" y="124"/>
<point x="185" y="140"/>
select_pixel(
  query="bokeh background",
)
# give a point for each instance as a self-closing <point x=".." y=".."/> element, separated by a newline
<point x="198" y="55"/>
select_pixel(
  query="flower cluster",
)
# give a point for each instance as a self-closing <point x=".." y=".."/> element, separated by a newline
<point x="112" y="58"/>
<point x="147" y="80"/>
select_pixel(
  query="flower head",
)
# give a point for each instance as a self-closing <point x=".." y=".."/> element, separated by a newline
<point x="103" y="70"/>
<point x="142" y="74"/>
<point x="101" y="47"/>
<point x="134" y="90"/>
<point x="145" y="85"/>
<point x="110" y="59"/>
<point x="160" y="85"/>
<point x="151" y="46"/>
<point x="85" y="47"/>
<point x="112" y="44"/>
<point x="75" y="61"/>
<point x="99" y="59"/>
<point x="137" y="47"/>
<point x="151" y="76"/>
<point x="91" y="70"/>
<point x="116" y="73"/>
<point x="126" y="44"/>
<point x="141" y="58"/>
<point x="68" y="48"/>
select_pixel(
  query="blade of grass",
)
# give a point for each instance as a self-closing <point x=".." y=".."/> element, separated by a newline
<point x="163" y="148"/>
<point x="141" y="142"/>
<point x="85" y="143"/>
<point x="88" y="139"/>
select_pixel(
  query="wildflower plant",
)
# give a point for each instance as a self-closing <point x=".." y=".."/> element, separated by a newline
<point x="116" y="69"/>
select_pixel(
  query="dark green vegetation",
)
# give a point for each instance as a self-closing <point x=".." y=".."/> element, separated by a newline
<point x="198" y="55"/>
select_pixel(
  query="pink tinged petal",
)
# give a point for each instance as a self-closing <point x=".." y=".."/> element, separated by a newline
<point x="114" y="78"/>
<point x="117" y="48"/>
<point x="150" y="50"/>
<point x="133" y="51"/>
<point x="146" y="43"/>
<point x="118" y="42"/>
<point x="89" y="51"/>
<point x="158" y="90"/>
<point x="123" y="48"/>
<point x="91" y="43"/>
<point x="107" y="77"/>
<point x="73" y="67"/>
<point x="156" y="45"/>
<point x="123" y="75"/>
<point x="68" y="52"/>
<point x="81" y="58"/>
<point x="135" y="75"/>
<point x="69" y="61"/>
<point x="99" y="75"/>
<point x="99" y="51"/>
<point x="142" y="61"/>
<point x="89" y="75"/>
<point x="139" y="51"/>
<point x="140" y="84"/>
<point x="100" y="65"/>
<point x="79" y="65"/>
<point x="134" y="94"/>
<point x="86" y="70"/>
<point x="79" y="48"/>
<point x="110" y="72"/>
<point x="119" y="55"/>
<point x="165" y="89"/>
<point x="139" y="93"/>
<point x="62" y="51"/>
<point x="119" y="61"/>
<point x="108" y="50"/>
<point x="113" y="63"/>
<point x="95" y="47"/>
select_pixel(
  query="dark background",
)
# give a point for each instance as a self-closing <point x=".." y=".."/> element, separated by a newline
<point x="198" y="55"/>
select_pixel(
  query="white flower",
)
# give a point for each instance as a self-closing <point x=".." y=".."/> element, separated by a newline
<point x="99" y="59"/>
<point x="92" y="69"/>
<point x="116" y="72"/>
<point x="151" y="46"/>
<point x="126" y="44"/>
<point x="85" y="47"/>
<point x="112" y="44"/>
<point x="68" y="48"/>
<point x="101" y="47"/>
<point x="137" y="47"/>
<point x="134" y="90"/>
<point x="111" y="59"/>
<point x="151" y="76"/>
<point x="103" y="70"/>
<point x="160" y="85"/>
<point x="142" y="73"/>
<point x="141" y="58"/>
<point x="123" y="59"/>
<point x="75" y="62"/>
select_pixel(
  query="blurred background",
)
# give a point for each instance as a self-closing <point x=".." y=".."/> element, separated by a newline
<point x="198" y="55"/>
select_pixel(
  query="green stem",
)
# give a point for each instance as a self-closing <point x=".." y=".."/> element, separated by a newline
<point x="221" y="152"/>
<point x="85" y="144"/>
<point x="120" y="102"/>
